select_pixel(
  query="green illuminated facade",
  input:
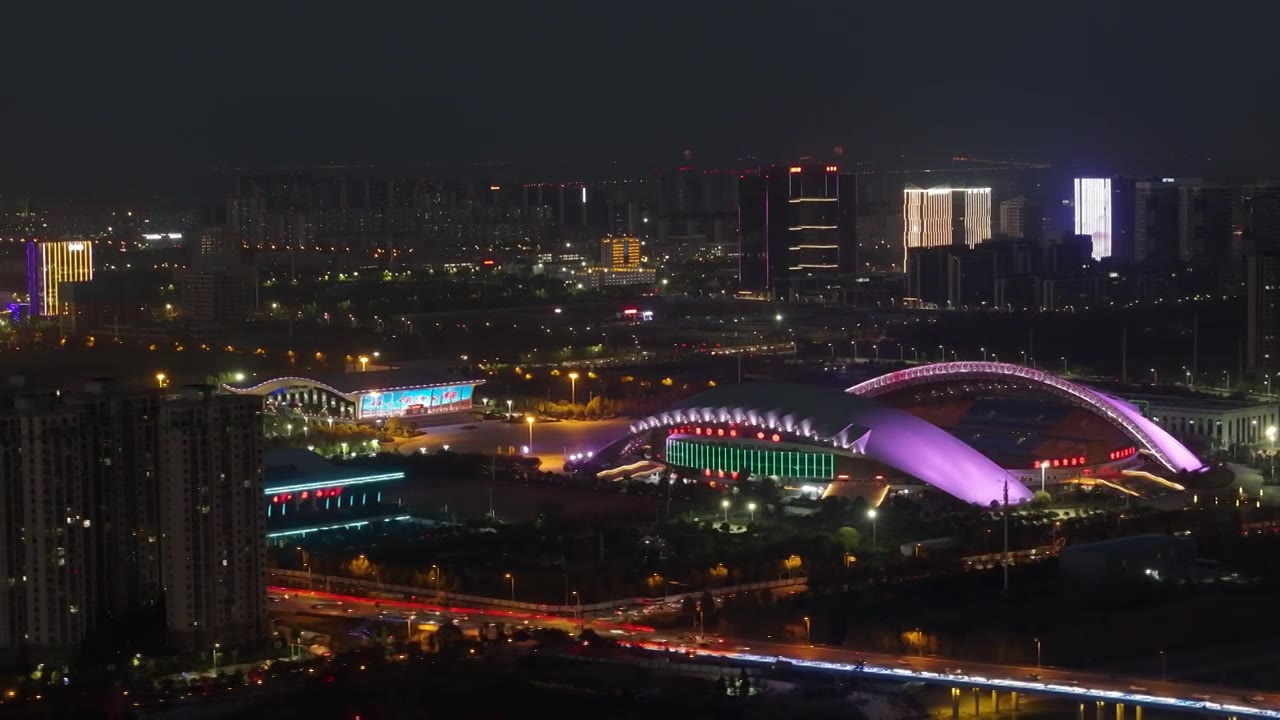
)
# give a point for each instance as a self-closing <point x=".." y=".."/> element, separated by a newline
<point x="732" y="458"/>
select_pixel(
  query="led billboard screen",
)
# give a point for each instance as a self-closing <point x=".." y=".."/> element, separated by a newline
<point x="416" y="401"/>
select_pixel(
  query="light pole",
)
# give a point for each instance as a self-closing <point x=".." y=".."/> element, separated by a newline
<point x="408" y="626"/>
<point x="529" y="419"/>
<point x="872" y="514"/>
<point x="1044" y="468"/>
<point x="435" y="574"/>
<point x="1155" y="377"/>
<point x="984" y="353"/>
<point x="512" y="578"/>
<point x="1164" y="666"/>
<point x="364" y="362"/>
<point x="306" y="566"/>
<point x="573" y="388"/>
<point x="1037" y="653"/>
<point x="808" y="631"/>
<point x="508" y="408"/>
<point x="577" y="610"/>
<point x="161" y="380"/>
<point x="725" y="505"/>
<point x="215" y="657"/>
<point x="1271" y="436"/>
<point x="1065" y="371"/>
<point x="751" y="511"/>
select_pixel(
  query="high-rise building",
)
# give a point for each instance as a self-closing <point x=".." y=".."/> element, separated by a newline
<point x="47" y="535"/>
<point x="796" y="224"/>
<point x="111" y="500"/>
<point x="945" y="216"/>
<point x="1262" y="335"/>
<point x="1020" y="219"/>
<point x="50" y="263"/>
<point x="1093" y="213"/>
<point x="211" y="519"/>
<point x="620" y="253"/>
<point x="213" y="299"/>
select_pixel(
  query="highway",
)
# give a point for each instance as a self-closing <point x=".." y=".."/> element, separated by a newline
<point x="1082" y="686"/>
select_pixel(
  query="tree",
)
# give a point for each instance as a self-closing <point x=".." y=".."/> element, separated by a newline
<point x="1041" y="499"/>
<point x="849" y="538"/>
<point x="361" y="567"/>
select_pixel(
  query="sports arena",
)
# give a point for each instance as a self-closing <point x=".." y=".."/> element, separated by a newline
<point x="974" y="430"/>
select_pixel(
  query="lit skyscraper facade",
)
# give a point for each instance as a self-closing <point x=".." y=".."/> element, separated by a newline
<point x="796" y="227"/>
<point x="50" y="263"/>
<point x="1093" y="213"/>
<point x="944" y="217"/>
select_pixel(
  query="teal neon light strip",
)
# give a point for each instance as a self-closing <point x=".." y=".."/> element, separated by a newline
<point x="334" y="483"/>
<point x="733" y="458"/>
<point x="342" y="526"/>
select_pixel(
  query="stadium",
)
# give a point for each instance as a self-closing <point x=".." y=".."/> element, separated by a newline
<point x="973" y="430"/>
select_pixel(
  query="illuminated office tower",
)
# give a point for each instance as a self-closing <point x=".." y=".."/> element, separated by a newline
<point x="944" y="217"/>
<point x="213" y="553"/>
<point x="1093" y="211"/>
<point x="620" y="253"/>
<point x="50" y="263"/>
<point x="795" y="230"/>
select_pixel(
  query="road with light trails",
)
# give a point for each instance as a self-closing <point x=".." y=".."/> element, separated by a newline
<point x="395" y="612"/>
<point x="1081" y="685"/>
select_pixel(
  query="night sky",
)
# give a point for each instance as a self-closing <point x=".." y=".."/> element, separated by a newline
<point x="123" y="97"/>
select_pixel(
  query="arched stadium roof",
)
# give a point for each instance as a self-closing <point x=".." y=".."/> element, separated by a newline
<point x="1151" y="438"/>
<point x="830" y="417"/>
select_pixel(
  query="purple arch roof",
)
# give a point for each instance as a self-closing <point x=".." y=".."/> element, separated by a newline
<point x="1150" y="437"/>
<point x="857" y="425"/>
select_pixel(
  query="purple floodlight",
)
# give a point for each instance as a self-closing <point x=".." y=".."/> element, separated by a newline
<point x="1146" y="434"/>
<point x="855" y="425"/>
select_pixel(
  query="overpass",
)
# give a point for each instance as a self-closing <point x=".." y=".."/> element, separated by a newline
<point x="1098" y="696"/>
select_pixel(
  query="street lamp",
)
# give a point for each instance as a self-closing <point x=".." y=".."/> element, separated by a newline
<point x="512" y="578"/>
<point x="408" y="626"/>
<point x="1037" y="653"/>
<point x="161" y="379"/>
<point x="215" y="657"/>
<point x="529" y="419"/>
<point x="508" y="408"/>
<point x="1271" y="436"/>
<point x="1044" y="467"/>
<point x="751" y="510"/>
<point x="573" y="388"/>
<point x="872" y="514"/>
<point x="808" y="631"/>
<point x="578" y="608"/>
<point x="364" y="362"/>
<point x="725" y="505"/>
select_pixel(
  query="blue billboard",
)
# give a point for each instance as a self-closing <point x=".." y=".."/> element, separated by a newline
<point x="416" y="401"/>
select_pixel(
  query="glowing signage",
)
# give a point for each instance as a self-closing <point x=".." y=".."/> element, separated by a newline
<point x="416" y="401"/>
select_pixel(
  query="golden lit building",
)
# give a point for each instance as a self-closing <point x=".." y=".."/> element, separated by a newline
<point x="945" y="217"/>
<point x="51" y="263"/>
<point x="620" y="253"/>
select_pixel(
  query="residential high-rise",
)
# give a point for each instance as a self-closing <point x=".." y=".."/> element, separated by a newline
<point x="213" y="299"/>
<point x="796" y="226"/>
<point x="211" y="519"/>
<point x="1020" y="219"/>
<point x="1262" y="334"/>
<point x="96" y="484"/>
<point x="945" y="216"/>
<point x="47" y="534"/>
<point x="50" y="263"/>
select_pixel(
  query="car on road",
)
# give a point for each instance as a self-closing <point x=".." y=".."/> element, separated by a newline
<point x="1139" y="688"/>
<point x="1254" y="699"/>
<point x="1201" y="697"/>
<point x="1033" y="676"/>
